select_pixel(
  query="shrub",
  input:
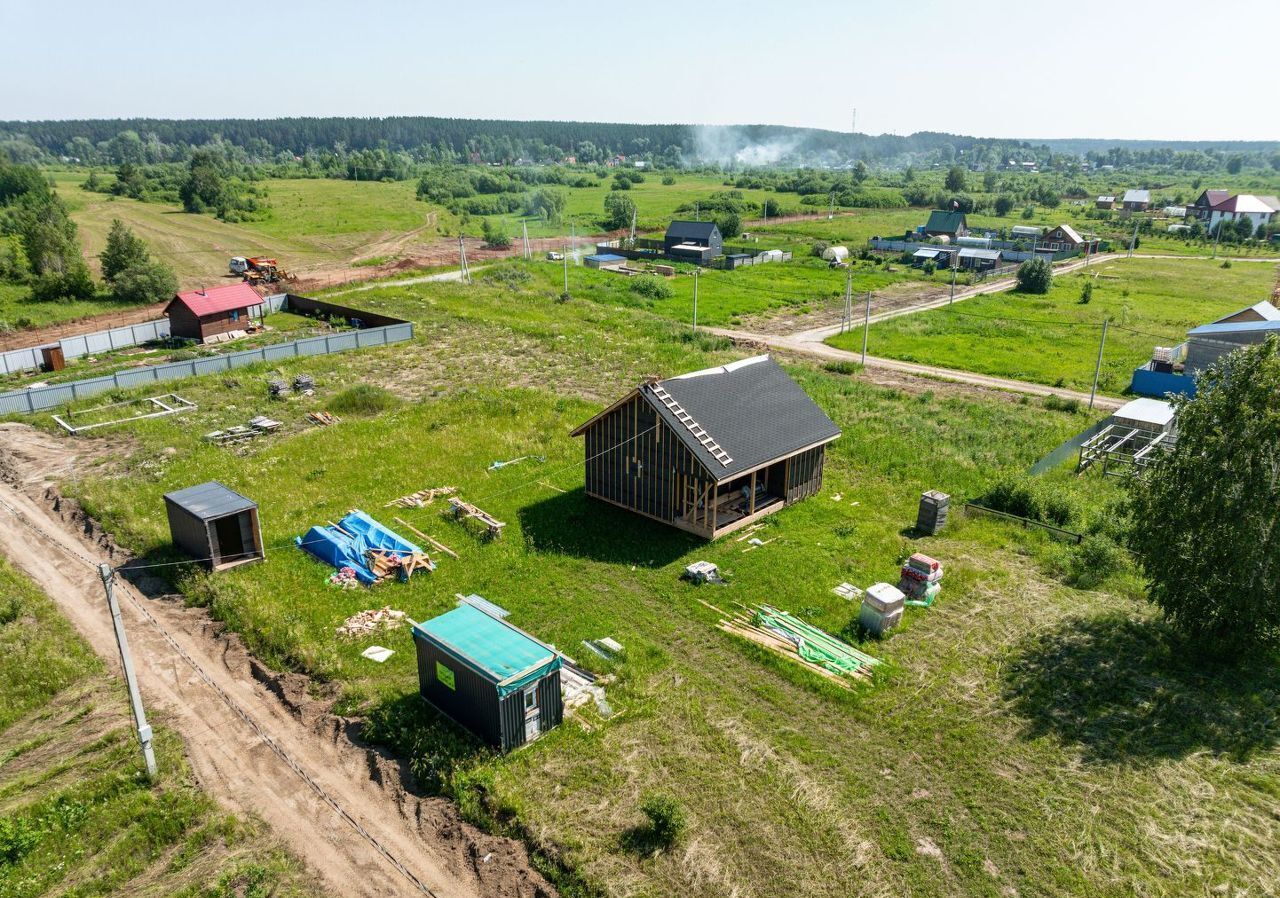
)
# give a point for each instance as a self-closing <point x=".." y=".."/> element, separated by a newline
<point x="1029" y="212"/>
<point x="651" y="287"/>
<point x="820" y="247"/>
<point x="1058" y="404"/>
<point x="666" y="819"/>
<point x="495" y="234"/>
<point x="364" y="399"/>
<point x="1226" y="263"/>
<point x="842" y="367"/>
<point x="1031" y="499"/>
<point x="668" y="180"/>
<point x="1086" y="292"/>
<point x="929" y="267"/>
<point x="1035" y="276"/>
<point x="509" y="276"/>
<point x="1093" y="561"/>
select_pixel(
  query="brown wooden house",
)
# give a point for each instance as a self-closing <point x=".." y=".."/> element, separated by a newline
<point x="711" y="451"/>
<point x="201" y="314"/>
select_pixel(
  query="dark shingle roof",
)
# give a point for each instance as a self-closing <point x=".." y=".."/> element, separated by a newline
<point x="691" y="230"/>
<point x="948" y="222"/>
<point x="751" y="408"/>
<point x="210" y="500"/>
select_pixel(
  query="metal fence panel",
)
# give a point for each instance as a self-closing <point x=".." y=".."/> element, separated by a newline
<point x="19" y="401"/>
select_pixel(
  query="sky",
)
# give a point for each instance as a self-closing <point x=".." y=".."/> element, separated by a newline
<point x="1133" y="70"/>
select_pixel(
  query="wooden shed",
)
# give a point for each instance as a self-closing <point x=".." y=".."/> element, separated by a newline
<point x="491" y="677"/>
<point x="203" y="314"/>
<point x="215" y="524"/>
<point x="711" y="451"/>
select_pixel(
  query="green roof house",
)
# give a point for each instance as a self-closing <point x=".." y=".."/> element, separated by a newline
<point x="946" y="224"/>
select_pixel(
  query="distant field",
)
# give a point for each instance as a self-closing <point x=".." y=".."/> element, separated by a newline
<point x="1058" y="341"/>
<point x="18" y="311"/>
<point x="77" y="816"/>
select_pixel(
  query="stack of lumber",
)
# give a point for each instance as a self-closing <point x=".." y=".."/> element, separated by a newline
<point x="802" y="643"/>
<point x="463" y="510"/>
<point x="365" y="622"/>
<point x="324" y="419"/>
<point x="385" y="563"/>
<point x="422" y="497"/>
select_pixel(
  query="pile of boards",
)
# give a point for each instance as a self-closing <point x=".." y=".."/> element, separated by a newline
<point x="921" y="580"/>
<point x="324" y="419"/>
<point x="803" y="643"/>
<point x="369" y="550"/>
<point x="387" y="563"/>
<point x="465" y="510"/>
<point x="422" y="497"/>
<point x="238" y="433"/>
<point x="370" y="621"/>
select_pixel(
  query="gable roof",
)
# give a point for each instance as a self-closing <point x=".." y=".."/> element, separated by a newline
<point x="1270" y="200"/>
<point x="1243" y="202"/>
<point x="948" y="222"/>
<point x="751" y="409"/>
<point x="1211" y="198"/>
<point x="1264" y="310"/>
<point x="973" y="252"/>
<point x="691" y="230"/>
<point x="1070" y="233"/>
<point x="218" y="299"/>
<point x="1137" y="196"/>
<point x="1233" y="327"/>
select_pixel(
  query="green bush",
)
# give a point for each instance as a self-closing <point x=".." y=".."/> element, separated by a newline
<point x="1035" y="276"/>
<point x="666" y="819"/>
<point x="651" y="287"/>
<point x="1093" y="561"/>
<point x="819" y="247"/>
<point x="1086" y="292"/>
<point x="1032" y="499"/>
<point x="1058" y="404"/>
<point x="509" y="276"/>
<point x="364" y="399"/>
<point x="668" y="180"/>
<point x="495" y="234"/>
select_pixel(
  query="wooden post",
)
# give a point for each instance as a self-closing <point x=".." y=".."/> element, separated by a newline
<point x="751" y="505"/>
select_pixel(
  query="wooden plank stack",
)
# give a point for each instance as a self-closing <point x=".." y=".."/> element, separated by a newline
<point x="422" y="497"/>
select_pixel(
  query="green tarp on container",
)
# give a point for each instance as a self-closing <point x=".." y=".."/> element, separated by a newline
<point x="503" y="654"/>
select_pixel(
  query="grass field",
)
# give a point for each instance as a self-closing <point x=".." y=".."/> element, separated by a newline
<point x="77" y="815"/>
<point x="1053" y="339"/>
<point x="1026" y="736"/>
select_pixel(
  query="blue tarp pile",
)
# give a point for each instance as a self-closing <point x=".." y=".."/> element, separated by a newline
<point x="356" y="541"/>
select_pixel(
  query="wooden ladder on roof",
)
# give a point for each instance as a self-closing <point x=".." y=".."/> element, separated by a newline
<point x="694" y="427"/>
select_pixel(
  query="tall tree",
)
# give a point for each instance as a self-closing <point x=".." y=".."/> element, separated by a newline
<point x="123" y="249"/>
<point x="956" y="179"/>
<point x="1207" y="513"/>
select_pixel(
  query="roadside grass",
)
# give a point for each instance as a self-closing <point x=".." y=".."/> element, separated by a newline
<point x="1053" y="339"/>
<point x="18" y="310"/>
<point x="77" y="815"/>
<point x="970" y="767"/>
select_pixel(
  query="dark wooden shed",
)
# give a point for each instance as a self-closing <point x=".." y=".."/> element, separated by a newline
<point x="693" y="241"/>
<point x="490" y="676"/>
<point x="202" y="314"/>
<point x="215" y="525"/>
<point x="711" y="451"/>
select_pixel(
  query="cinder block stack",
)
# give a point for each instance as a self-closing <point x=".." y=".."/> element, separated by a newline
<point x="881" y="608"/>
<point x="921" y="580"/>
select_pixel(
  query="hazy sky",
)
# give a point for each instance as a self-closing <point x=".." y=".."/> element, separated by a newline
<point x="1150" y="69"/>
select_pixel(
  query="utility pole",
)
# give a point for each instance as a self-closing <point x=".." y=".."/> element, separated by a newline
<point x="126" y="662"/>
<point x="462" y="261"/>
<point x="831" y="212"/>
<point x="695" y="300"/>
<point x="527" y="254"/>
<point x="866" y="329"/>
<point x="953" y="279"/>
<point x="565" y="256"/>
<point x="1097" y="369"/>
<point x="1216" y="234"/>
<point x="848" y="300"/>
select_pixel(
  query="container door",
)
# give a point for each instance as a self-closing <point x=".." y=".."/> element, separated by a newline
<point x="532" y="717"/>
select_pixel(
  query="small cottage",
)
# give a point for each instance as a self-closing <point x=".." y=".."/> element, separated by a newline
<point x="490" y="676"/>
<point x="1136" y="200"/>
<point x="946" y="224"/>
<point x="205" y="314"/>
<point x="1064" y="237"/>
<point x="1206" y="201"/>
<point x="978" y="259"/>
<point x="1105" y="202"/>
<point x="710" y="451"/>
<point x="693" y="241"/>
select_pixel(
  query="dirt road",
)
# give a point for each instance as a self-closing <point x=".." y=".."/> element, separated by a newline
<point x="257" y="741"/>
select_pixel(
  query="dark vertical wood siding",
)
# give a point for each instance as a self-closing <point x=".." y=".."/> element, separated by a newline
<point x="633" y="459"/>
<point x="804" y="474"/>
<point x="550" y="711"/>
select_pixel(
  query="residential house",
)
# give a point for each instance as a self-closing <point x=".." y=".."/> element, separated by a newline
<point x="1242" y="206"/>
<point x="693" y="241"/>
<point x="710" y="451"/>
<point x="942" y="223"/>
<point x="1105" y="202"/>
<point x="1136" y="200"/>
<point x="1205" y="202"/>
<point x="1066" y="237"/>
<point x="204" y="315"/>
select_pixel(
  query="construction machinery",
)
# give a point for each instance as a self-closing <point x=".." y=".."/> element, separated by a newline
<point x="257" y="269"/>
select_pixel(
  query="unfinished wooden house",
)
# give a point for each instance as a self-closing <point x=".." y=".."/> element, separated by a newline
<point x="709" y="451"/>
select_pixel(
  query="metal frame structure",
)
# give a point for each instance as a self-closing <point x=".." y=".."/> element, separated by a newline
<point x="178" y="406"/>
<point x="1125" y="449"/>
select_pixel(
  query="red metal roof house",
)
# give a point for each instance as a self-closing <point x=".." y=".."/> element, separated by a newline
<point x="201" y="314"/>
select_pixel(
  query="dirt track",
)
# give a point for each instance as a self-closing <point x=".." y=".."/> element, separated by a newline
<point x="184" y="662"/>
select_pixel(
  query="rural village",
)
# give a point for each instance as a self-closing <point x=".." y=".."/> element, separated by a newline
<point x="530" y="508"/>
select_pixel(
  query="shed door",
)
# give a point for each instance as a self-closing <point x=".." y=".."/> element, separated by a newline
<point x="532" y="717"/>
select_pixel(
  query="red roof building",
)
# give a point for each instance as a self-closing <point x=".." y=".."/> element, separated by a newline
<point x="201" y="314"/>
